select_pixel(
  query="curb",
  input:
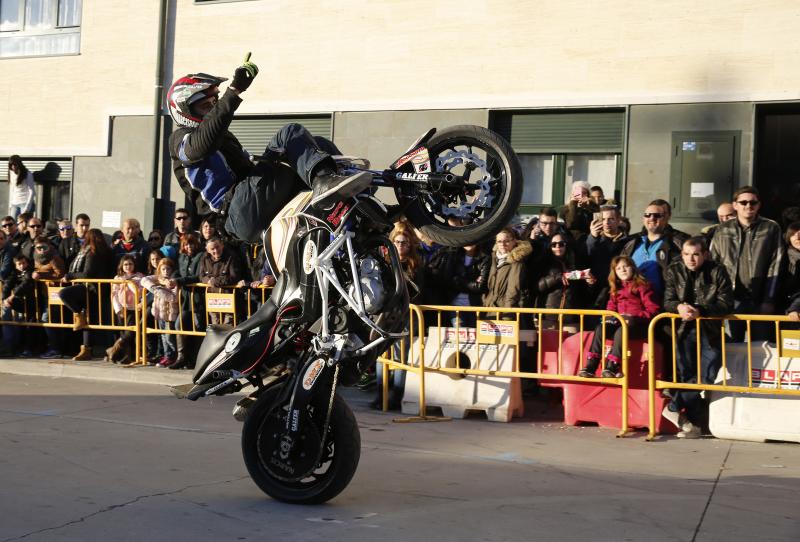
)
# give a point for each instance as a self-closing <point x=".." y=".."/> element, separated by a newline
<point x="95" y="370"/>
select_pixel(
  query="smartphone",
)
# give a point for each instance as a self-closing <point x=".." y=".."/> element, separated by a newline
<point x="597" y="217"/>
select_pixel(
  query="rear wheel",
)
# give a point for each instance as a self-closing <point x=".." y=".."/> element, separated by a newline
<point x="270" y="465"/>
<point x="485" y="196"/>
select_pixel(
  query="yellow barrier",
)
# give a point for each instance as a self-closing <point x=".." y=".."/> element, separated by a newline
<point x="654" y="385"/>
<point x="45" y="295"/>
<point x="417" y="332"/>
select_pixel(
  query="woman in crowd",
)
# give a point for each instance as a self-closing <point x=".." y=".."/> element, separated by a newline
<point x="21" y="190"/>
<point x="790" y="274"/>
<point x="92" y="262"/>
<point x="506" y="285"/>
<point x="207" y="231"/>
<point x="124" y="300"/>
<point x="192" y="302"/>
<point x="578" y="213"/>
<point x="563" y="285"/>
<point x="632" y="297"/>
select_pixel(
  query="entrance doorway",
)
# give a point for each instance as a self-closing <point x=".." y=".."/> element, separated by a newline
<point x="777" y="160"/>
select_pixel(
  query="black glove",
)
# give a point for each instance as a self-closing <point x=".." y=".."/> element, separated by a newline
<point x="244" y="75"/>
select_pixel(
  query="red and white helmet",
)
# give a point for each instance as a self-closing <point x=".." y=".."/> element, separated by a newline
<point x="188" y="90"/>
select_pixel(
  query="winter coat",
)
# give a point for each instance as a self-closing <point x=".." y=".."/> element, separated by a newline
<point x="506" y="282"/>
<point x="667" y="253"/>
<point x="552" y="294"/>
<point x="640" y="304"/>
<point x="68" y="248"/>
<point x="449" y="277"/>
<point x="138" y="248"/>
<point x="165" y="300"/>
<point x="123" y="296"/>
<point x="87" y="265"/>
<point x="790" y="276"/>
<point x="225" y="272"/>
<point x="53" y="269"/>
<point x="578" y="219"/>
<point x="709" y="290"/>
<point x="7" y="254"/>
<point x="763" y="255"/>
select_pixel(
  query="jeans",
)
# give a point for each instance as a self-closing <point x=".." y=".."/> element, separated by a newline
<point x="16" y="210"/>
<point x="295" y="145"/>
<point x="761" y="331"/>
<point x="686" y="357"/>
<point x="167" y="341"/>
<point x="637" y="329"/>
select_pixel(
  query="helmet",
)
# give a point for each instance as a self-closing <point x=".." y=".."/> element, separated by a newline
<point x="188" y="90"/>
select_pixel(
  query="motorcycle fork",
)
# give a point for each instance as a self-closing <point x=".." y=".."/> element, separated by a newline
<point x="315" y="375"/>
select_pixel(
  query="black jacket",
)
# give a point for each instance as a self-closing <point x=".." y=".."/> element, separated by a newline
<point x="208" y="160"/>
<point x="7" y="254"/>
<point x="449" y="276"/>
<point x="68" y="248"/>
<point x="709" y="290"/>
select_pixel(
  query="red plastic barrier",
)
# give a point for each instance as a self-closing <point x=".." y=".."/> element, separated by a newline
<point x="549" y="348"/>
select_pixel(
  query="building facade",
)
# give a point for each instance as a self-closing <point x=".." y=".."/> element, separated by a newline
<point x="677" y="100"/>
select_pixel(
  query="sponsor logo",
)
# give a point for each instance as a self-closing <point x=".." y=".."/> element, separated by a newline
<point x="295" y="421"/>
<point x="309" y="255"/>
<point x="338" y="213"/>
<point x="410" y="156"/>
<point x="254" y="331"/>
<point x="766" y="378"/>
<point x="422" y="168"/>
<point x="281" y="465"/>
<point x="496" y="329"/>
<point x="312" y="373"/>
<point x="411" y="176"/>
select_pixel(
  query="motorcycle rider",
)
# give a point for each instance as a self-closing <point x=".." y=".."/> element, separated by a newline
<point x="209" y="161"/>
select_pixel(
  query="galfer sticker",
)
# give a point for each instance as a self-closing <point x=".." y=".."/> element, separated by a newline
<point x="402" y="160"/>
<point x="422" y="168"/>
<point x="422" y="161"/>
<point x="309" y="255"/>
<point x="312" y="373"/>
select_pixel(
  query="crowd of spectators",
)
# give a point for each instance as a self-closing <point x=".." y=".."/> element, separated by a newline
<point x="585" y="255"/>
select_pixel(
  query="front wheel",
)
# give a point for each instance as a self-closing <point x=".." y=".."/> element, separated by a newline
<point x="485" y="197"/>
<point x="272" y="468"/>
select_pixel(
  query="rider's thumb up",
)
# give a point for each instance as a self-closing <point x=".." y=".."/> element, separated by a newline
<point x="244" y="75"/>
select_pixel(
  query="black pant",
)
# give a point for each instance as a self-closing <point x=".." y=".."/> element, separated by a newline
<point x="637" y="329"/>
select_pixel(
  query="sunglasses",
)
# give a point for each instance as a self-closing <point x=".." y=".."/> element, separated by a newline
<point x="35" y="226"/>
<point x="653" y="215"/>
<point x="41" y="247"/>
<point x="64" y="228"/>
<point x="543" y="223"/>
<point x="558" y="244"/>
<point x="8" y="224"/>
<point x="181" y="218"/>
<point x="750" y="202"/>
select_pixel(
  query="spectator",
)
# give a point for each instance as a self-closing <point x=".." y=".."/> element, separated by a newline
<point x="94" y="261"/>
<point x="577" y="214"/>
<point x="666" y="208"/>
<point x="633" y="298"/>
<point x="34" y="229"/>
<point x="790" y="215"/>
<point x="541" y="229"/>
<point x="132" y="243"/>
<point x="18" y="305"/>
<point x="7" y="253"/>
<point x="191" y="300"/>
<point x="560" y="287"/>
<point x="155" y="239"/>
<point x="82" y="225"/>
<point x="220" y="267"/>
<point x="13" y="237"/>
<point x="655" y="248"/>
<point x="153" y="257"/>
<point x="725" y="212"/>
<point x="604" y="242"/>
<point x="790" y="272"/>
<point x="48" y="265"/>
<point x="183" y="225"/>
<point x="751" y="250"/>
<point x="165" y="307"/>
<point x="597" y="196"/>
<point x="208" y="230"/>
<point x="124" y="300"/>
<point x="22" y="224"/>
<point x="695" y="287"/>
<point x="506" y="285"/>
<point x="462" y="277"/>
<point x="69" y="245"/>
<point x="21" y="190"/>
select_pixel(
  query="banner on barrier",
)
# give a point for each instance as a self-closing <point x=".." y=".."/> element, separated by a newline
<point x="52" y="295"/>
<point x="220" y="303"/>
<point x="498" y="332"/>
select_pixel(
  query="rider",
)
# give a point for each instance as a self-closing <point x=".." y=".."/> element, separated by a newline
<point x="209" y="161"/>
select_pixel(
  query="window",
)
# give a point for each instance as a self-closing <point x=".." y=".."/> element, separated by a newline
<point x="39" y="27"/>
<point x="53" y="179"/>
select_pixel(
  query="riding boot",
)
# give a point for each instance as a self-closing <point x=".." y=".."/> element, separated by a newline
<point x="330" y="187"/>
<point x="84" y="354"/>
<point x="113" y="352"/>
<point x="79" y="321"/>
<point x="180" y="358"/>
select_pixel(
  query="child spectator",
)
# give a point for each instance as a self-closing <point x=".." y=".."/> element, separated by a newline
<point x="124" y="299"/>
<point x="165" y="306"/>
<point x="153" y="257"/>
<point x="631" y="296"/>
<point x="18" y="303"/>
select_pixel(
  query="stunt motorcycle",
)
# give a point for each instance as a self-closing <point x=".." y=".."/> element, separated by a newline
<point x="340" y="301"/>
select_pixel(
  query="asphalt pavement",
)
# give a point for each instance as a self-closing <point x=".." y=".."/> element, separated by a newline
<point x="94" y="452"/>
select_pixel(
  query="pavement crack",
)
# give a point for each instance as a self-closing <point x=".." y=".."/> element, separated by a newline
<point x="120" y="505"/>
<point x="711" y="494"/>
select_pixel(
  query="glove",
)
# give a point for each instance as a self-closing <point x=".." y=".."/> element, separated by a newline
<point x="244" y="75"/>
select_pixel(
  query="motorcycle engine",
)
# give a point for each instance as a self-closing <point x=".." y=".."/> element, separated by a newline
<point x="372" y="291"/>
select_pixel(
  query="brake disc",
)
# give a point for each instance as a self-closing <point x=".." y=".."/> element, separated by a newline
<point x="471" y="161"/>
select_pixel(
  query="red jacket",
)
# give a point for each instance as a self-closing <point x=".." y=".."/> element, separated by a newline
<point x="642" y="304"/>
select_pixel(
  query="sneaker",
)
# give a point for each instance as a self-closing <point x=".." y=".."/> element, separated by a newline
<point x="611" y="370"/>
<point x="690" y="430"/>
<point x="165" y="361"/>
<point x="26" y="354"/>
<point x="332" y="187"/>
<point x="586" y="373"/>
<point x="51" y="354"/>
<point x="672" y="417"/>
<point x="366" y="381"/>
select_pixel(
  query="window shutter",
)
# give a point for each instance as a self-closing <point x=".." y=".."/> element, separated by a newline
<point x="562" y="132"/>
<point x="44" y="169"/>
<point x="255" y="132"/>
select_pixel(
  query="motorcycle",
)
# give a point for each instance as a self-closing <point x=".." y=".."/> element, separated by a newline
<point x="340" y="301"/>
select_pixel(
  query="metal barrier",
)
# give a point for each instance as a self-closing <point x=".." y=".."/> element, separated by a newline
<point x="417" y="332"/>
<point x="654" y="385"/>
<point x="45" y="297"/>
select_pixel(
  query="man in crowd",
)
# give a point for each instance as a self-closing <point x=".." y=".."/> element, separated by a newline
<point x="69" y="246"/>
<point x="220" y="267"/>
<point x="725" y="212"/>
<point x="751" y="250"/>
<point x="82" y="225"/>
<point x="35" y="228"/>
<point x="655" y="248"/>
<point x="133" y="244"/>
<point x="694" y="287"/>
<point x="605" y="240"/>
<point x="597" y="195"/>
<point x="13" y="237"/>
<point x="546" y="227"/>
<point x="666" y="208"/>
<point x="183" y="225"/>
<point x="7" y="253"/>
